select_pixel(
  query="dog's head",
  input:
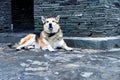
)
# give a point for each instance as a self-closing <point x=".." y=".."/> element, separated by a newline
<point x="50" y="25"/>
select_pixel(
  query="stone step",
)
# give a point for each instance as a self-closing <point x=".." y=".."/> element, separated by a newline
<point x="102" y="43"/>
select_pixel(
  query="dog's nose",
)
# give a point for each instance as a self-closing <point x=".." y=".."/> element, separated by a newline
<point x="50" y="26"/>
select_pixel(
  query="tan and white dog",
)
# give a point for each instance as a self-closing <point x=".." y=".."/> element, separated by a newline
<point x="49" y="39"/>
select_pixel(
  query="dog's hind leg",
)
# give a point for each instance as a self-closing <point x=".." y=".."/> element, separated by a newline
<point x="27" y="45"/>
<point x="26" y="42"/>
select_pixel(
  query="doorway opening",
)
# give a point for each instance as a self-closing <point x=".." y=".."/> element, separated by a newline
<point x="22" y="15"/>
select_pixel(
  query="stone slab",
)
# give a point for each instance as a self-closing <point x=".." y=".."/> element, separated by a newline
<point x="94" y="43"/>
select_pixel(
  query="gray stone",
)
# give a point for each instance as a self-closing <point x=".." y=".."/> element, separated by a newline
<point x="80" y="64"/>
<point x="5" y="15"/>
<point x="93" y="15"/>
<point x="94" y="43"/>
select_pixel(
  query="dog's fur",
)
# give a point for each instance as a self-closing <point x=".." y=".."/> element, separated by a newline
<point x="49" y="39"/>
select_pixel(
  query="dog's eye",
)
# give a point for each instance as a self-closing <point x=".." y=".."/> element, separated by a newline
<point x="53" y="21"/>
<point x="47" y="21"/>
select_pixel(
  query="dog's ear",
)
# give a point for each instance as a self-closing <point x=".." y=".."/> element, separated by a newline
<point x="57" y="18"/>
<point x="43" y="19"/>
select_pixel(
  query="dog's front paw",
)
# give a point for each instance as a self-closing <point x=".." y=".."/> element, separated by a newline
<point x="44" y="48"/>
<point x="69" y="49"/>
<point x="30" y="47"/>
<point x="51" y="49"/>
<point x="18" y="49"/>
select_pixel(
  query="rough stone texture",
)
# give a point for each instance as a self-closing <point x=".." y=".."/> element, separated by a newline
<point x="5" y="15"/>
<point x="78" y="17"/>
<point x="61" y="65"/>
<point x="81" y="17"/>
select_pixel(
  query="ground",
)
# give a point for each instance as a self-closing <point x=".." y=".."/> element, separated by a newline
<point x="80" y="64"/>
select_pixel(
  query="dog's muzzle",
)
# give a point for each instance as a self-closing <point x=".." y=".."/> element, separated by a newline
<point x="50" y="26"/>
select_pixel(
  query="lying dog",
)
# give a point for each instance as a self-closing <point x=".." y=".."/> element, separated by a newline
<point x="50" y="38"/>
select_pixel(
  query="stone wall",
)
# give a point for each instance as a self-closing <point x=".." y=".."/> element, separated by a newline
<point x="5" y="15"/>
<point x="78" y="17"/>
<point x="81" y="17"/>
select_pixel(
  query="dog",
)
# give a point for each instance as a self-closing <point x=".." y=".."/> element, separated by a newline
<point x="49" y="39"/>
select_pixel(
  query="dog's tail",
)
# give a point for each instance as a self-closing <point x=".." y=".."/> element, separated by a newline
<point x="13" y="45"/>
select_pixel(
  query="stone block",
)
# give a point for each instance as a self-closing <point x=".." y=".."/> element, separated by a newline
<point x="102" y="43"/>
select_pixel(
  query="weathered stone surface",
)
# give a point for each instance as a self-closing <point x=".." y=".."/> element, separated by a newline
<point x="81" y="64"/>
<point x="5" y="15"/>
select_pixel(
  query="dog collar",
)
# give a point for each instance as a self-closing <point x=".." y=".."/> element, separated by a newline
<point x="51" y="34"/>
